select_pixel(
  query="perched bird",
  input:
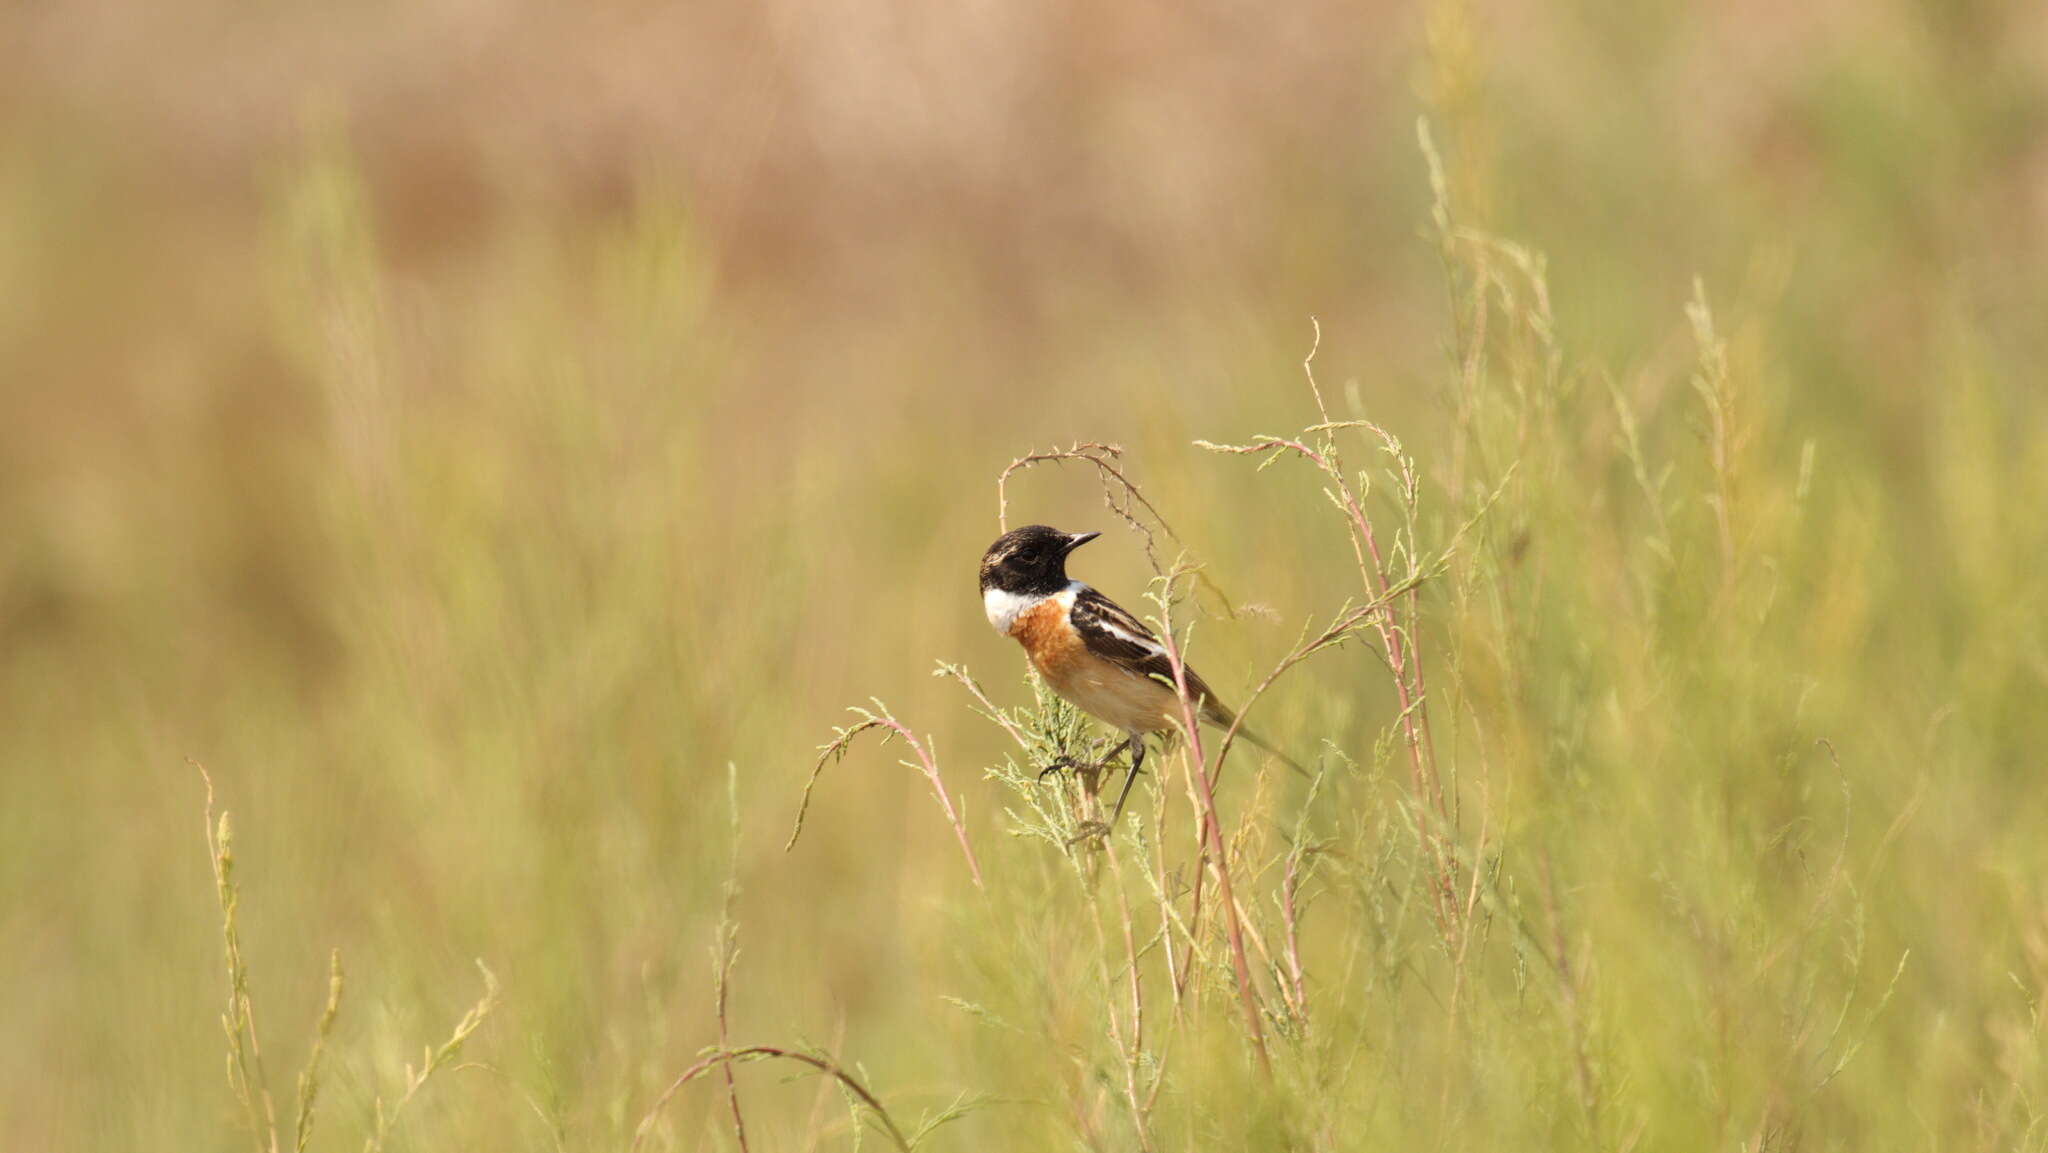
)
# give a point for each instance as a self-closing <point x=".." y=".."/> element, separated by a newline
<point x="1087" y="647"/>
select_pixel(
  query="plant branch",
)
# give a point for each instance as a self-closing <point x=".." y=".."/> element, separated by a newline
<point x="892" y="728"/>
<point x="722" y="1057"/>
<point x="1191" y="731"/>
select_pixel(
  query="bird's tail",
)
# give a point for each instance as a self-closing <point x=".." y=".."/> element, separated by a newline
<point x="1266" y="746"/>
<point x="1222" y="717"/>
<point x="1274" y="752"/>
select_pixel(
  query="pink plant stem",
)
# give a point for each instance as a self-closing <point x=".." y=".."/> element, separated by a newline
<point x="1123" y="908"/>
<point x="1426" y="787"/>
<point x="1364" y="544"/>
<point x="1288" y="883"/>
<point x="1194" y="903"/>
<point x="931" y="773"/>
<point x="1173" y="976"/>
<point x="1194" y="916"/>
<point x="1214" y="830"/>
<point x="732" y="1089"/>
<point x="727" y="1056"/>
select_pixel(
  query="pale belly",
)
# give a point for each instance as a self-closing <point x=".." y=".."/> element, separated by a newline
<point x="1129" y="702"/>
<point x="1133" y="703"/>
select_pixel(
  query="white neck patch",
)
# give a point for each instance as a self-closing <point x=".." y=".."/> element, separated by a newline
<point x="1003" y="607"/>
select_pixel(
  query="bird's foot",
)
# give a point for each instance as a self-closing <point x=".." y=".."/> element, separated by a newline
<point x="1072" y="764"/>
<point x="1089" y="769"/>
<point x="1088" y="831"/>
<point x="1089" y="773"/>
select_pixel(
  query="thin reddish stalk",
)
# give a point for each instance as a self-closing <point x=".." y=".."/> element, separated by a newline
<point x="1409" y="697"/>
<point x="732" y="1089"/>
<point x="1366" y="546"/>
<point x="931" y="772"/>
<point x="1166" y="909"/>
<point x="1123" y="908"/>
<point x="1335" y="634"/>
<point x="1340" y="629"/>
<point x="1233" y="927"/>
<point x="1136" y="1044"/>
<point x="1104" y="457"/>
<point x="989" y="709"/>
<point x="925" y="764"/>
<point x="1291" y="926"/>
<point x="727" y="1056"/>
<point x="1194" y="905"/>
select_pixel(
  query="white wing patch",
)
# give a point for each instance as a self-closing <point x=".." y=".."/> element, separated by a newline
<point x="1117" y="629"/>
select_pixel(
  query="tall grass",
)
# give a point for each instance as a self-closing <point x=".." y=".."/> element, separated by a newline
<point x="1523" y="899"/>
<point x="1640" y="548"/>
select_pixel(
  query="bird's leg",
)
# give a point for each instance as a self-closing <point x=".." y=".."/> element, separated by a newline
<point x="1130" y="778"/>
<point x="1091" y="829"/>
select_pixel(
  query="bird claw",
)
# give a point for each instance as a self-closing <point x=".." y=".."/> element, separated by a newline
<point x="1068" y="763"/>
<point x="1088" y="831"/>
<point x="1082" y="768"/>
<point x="1090" y="773"/>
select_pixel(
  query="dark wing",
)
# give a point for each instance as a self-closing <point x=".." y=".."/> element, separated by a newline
<point x="1123" y="640"/>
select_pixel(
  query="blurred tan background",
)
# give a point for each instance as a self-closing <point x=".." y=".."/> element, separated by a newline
<point x="468" y="427"/>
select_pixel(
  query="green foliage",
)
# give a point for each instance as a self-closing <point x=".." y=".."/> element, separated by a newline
<point x="1646" y="571"/>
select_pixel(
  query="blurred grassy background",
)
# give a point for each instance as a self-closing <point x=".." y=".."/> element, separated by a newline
<point x="467" y="429"/>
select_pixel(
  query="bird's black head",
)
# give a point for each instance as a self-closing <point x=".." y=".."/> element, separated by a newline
<point x="1030" y="561"/>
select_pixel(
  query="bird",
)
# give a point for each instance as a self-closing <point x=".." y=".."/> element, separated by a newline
<point x="1089" y="649"/>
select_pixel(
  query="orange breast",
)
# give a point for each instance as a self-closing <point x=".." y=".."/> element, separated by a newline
<point x="1054" y="647"/>
<point x="1131" y="702"/>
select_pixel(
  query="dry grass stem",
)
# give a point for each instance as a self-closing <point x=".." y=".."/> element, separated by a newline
<point x="880" y="719"/>
<point x="309" y="1078"/>
<point x="433" y="1060"/>
<point x="245" y="1057"/>
<point x="1119" y="495"/>
<point x="1212" y="824"/>
<point x="825" y="1065"/>
<point x="727" y="952"/>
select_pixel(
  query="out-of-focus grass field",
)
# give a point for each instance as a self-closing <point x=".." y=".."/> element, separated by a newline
<point x="468" y="432"/>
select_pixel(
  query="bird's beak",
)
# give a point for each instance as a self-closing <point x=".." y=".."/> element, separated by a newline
<point x="1076" y="540"/>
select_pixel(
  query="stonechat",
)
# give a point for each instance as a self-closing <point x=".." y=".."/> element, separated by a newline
<point x="1086" y="646"/>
